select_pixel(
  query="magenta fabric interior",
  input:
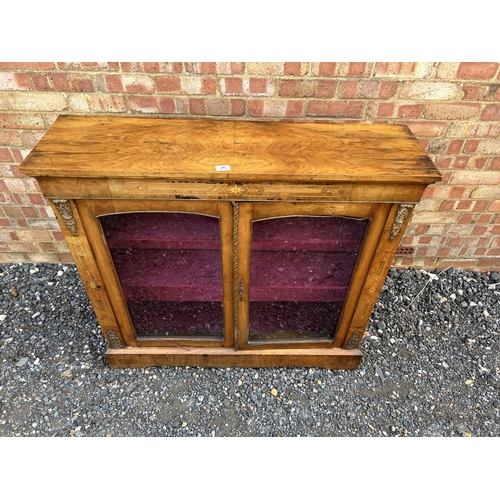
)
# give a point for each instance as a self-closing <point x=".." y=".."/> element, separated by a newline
<point x="300" y="270"/>
<point x="170" y="270"/>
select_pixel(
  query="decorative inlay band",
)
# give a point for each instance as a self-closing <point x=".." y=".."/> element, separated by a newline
<point x="113" y="340"/>
<point x="402" y="214"/>
<point x="236" y="189"/>
<point x="235" y="272"/>
<point x="333" y="191"/>
<point x="64" y="209"/>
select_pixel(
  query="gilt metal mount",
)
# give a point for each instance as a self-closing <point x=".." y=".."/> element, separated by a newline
<point x="404" y="210"/>
<point x="64" y="209"/>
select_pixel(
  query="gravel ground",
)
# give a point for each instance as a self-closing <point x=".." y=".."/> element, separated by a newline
<point x="431" y="368"/>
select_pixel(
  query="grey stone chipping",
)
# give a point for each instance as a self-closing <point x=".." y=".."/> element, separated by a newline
<point x="431" y="368"/>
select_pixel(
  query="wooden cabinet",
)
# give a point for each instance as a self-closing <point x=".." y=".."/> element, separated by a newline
<point x="224" y="243"/>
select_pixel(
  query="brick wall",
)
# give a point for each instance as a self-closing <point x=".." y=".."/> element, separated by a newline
<point x="452" y="108"/>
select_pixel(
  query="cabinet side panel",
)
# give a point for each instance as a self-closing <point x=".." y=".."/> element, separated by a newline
<point x="394" y="229"/>
<point x="379" y="213"/>
<point x="76" y="238"/>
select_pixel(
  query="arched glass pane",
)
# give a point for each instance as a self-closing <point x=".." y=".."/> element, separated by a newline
<point x="170" y="270"/>
<point x="300" y="270"/>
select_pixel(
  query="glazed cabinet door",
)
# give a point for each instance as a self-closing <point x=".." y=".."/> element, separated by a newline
<point x="167" y="268"/>
<point x="301" y="269"/>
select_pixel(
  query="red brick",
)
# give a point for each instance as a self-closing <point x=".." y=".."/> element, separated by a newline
<point x="454" y="147"/>
<point x="15" y="246"/>
<point x="394" y="69"/>
<point x="201" y="67"/>
<point x="144" y="104"/>
<point x="495" y="163"/>
<point x="168" y="84"/>
<point x="292" y="68"/>
<point x="80" y="83"/>
<point x="128" y="67"/>
<point x="113" y="83"/>
<point x="471" y="177"/>
<point x="258" y="85"/>
<point x="59" y="82"/>
<point x="21" y="121"/>
<point x="197" y="106"/>
<point x="95" y="66"/>
<point x="464" y="205"/>
<point x="65" y="258"/>
<point x="447" y="205"/>
<point x="107" y="103"/>
<point x="34" y="235"/>
<point x="351" y="109"/>
<point x="451" y="111"/>
<point x="5" y="155"/>
<point x="410" y="110"/>
<point x="474" y="92"/>
<point x="326" y="69"/>
<point x="151" y="67"/>
<point x="477" y="70"/>
<point x="138" y="84"/>
<point x="430" y="90"/>
<point x="47" y="246"/>
<point x="491" y="112"/>
<point x="10" y="138"/>
<point x="387" y="90"/>
<point x="232" y="85"/>
<point x="29" y="212"/>
<point x="208" y="85"/>
<point x="493" y="92"/>
<point x="444" y="192"/>
<point x="348" y="90"/>
<point x="37" y="199"/>
<point x="484" y="219"/>
<point x="479" y="230"/>
<point x="256" y="107"/>
<point x="295" y="108"/>
<point x="380" y="110"/>
<point x="237" y="107"/>
<point x="356" y="69"/>
<point x="161" y="67"/>
<point x="471" y="146"/>
<point x="27" y="65"/>
<point x="17" y="154"/>
<point x="460" y="162"/>
<point x="15" y="81"/>
<point x="481" y="206"/>
<point x="223" y="107"/>
<point x="51" y="81"/>
<point x="169" y="105"/>
<point x="465" y="219"/>
<point x="478" y="162"/>
<point x="226" y="68"/>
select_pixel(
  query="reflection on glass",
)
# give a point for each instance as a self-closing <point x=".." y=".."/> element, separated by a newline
<point x="300" y="269"/>
<point x="170" y="271"/>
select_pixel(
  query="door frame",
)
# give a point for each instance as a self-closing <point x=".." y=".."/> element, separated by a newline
<point x="377" y="213"/>
<point x="91" y="210"/>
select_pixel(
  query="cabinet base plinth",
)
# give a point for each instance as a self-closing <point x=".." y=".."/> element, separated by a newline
<point x="141" y="357"/>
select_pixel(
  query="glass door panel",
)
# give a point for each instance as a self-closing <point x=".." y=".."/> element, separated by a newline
<point x="170" y="270"/>
<point x="300" y="270"/>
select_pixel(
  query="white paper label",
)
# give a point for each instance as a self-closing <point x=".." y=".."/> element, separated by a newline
<point x="222" y="168"/>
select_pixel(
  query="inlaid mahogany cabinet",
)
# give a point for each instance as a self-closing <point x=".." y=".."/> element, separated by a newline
<point x="231" y="243"/>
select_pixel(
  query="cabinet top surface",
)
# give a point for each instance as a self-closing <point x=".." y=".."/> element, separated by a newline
<point x="157" y="148"/>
